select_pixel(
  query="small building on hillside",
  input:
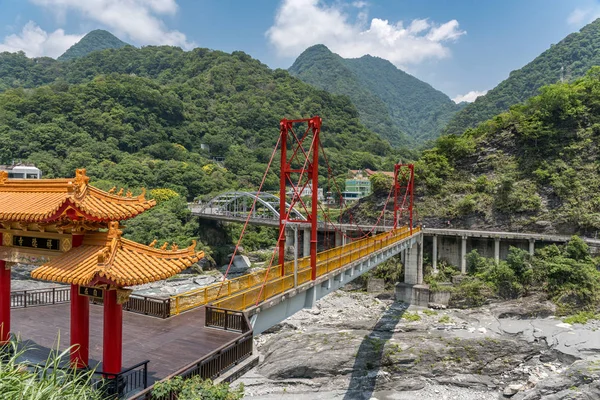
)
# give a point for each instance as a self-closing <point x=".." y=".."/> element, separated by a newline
<point x="358" y="184"/>
<point x="306" y="192"/>
<point x="22" y="171"/>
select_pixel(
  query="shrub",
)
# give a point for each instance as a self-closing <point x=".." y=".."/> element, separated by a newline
<point x="48" y="382"/>
<point x="162" y="195"/>
<point x="569" y="275"/>
<point x="411" y="317"/>
<point x="476" y="263"/>
<point x="195" y="389"/>
<point x="581" y="317"/>
<point x="502" y="279"/>
<point x="471" y="292"/>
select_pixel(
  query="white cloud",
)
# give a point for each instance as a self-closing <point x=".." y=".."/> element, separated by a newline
<point x="139" y="20"/>
<point x="583" y="16"/>
<point x="360" y="4"/>
<point x="303" y="23"/>
<point x="36" y="42"/>
<point x="469" y="97"/>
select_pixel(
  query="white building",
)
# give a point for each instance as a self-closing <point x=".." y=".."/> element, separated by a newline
<point x="22" y="171"/>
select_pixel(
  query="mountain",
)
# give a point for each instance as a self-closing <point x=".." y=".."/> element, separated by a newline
<point x="139" y="117"/>
<point x="567" y="60"/>
<point x="391" y="102"/>
<point x="93" y="41"/>
<point x="533" y="169"/>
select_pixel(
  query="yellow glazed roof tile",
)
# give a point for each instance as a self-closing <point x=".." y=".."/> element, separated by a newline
<point x="43" y="200"/>
<point x="105" y="257"/>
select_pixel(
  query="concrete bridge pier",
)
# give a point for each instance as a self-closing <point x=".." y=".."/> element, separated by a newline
<point x="463" y="255"/>
<point x="413" y="266"/>
<point x="434" y="255"/>
<point x="339" y="239"/>
<point x="289" y="242"/>
<point x="531" y="246"/>
<point x="306" y="242"/>
<point x="412" y="289"/>
<point x="497" y="249"/>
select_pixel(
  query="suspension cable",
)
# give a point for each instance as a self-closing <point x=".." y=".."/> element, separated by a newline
<point x="249" y="215"/>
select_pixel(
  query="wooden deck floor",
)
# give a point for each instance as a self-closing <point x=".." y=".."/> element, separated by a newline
<point x="169" y="344"/>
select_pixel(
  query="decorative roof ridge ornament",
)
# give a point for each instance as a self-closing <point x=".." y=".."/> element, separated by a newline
<point x="120" y="198"/>
<point x="108" y="253"/>
<point x="81" y="183"/>
<point x="79" y="226"/>
<point x="3" y="177"/>
<point x="163" y="251"/>
<point x="114" y="230"/>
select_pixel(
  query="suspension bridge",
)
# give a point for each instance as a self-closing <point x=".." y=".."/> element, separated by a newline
<point x="213" y="326"/>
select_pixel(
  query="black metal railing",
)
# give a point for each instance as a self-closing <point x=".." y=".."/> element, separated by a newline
<point x="39" y="297"/>
<point x="114" y="386"/>
<point x="146" y="305"/>
<point x="217" y="362"/>
<point x="229" y="320"/>
<point x="126" y="383"/>
<point x="149" y="306"/>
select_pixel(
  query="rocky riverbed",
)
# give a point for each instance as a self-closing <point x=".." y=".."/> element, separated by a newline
<point x="358" y="346"/>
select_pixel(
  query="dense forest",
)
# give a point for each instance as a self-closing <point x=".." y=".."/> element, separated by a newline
<point x="391" y="102"/>
<point x="533" y="168"/>
<point x="95" y="40"/>
<point x="567" y="60"/>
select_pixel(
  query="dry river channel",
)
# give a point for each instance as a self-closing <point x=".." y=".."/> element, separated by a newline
<point x="355" y="345"/>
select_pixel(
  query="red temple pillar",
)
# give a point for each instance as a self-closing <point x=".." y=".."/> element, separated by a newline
<point x="4" y="302"/>
<point x="80" y="322"/>
<point x="113" y="334"/>
<point x="80" y="328"/>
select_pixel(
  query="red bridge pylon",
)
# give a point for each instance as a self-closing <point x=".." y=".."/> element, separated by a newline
<point x="299" y="172"/>
<point x="404" y="183"/>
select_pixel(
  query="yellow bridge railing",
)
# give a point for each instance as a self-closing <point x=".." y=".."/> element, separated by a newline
<point x="243" y="292"/>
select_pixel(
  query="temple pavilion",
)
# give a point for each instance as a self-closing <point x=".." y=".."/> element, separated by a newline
<point x="71" y="231"/>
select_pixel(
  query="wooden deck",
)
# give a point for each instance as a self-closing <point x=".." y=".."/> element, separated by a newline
<point x="169" y="344"/>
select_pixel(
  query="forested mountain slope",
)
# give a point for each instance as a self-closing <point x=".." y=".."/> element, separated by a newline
<point x="533" y="168"/>
<point x="390" y="101"/>
<point x="321" y="68"/>
<point x="567" y="60"/>
<point x="137" y="117"/>
<point x="93" y="41"/>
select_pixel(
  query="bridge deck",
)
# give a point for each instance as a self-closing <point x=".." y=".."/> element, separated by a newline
<point x="169" y="344"/>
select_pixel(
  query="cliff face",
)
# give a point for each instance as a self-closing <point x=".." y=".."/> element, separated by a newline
<point x="534" y="168"/>
<point x="567" y="60"/>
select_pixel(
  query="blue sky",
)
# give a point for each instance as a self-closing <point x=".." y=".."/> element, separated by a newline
<point x="461" y="47"/>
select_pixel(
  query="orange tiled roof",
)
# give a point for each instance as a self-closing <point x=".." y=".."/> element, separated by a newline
<point x="387" y="173"/>
<point x="43" y="200"/>
<point x="105" y="257"/>
<point x="370" y="172"/>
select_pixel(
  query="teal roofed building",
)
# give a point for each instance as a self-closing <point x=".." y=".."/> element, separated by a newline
<point x="358" y="184"/>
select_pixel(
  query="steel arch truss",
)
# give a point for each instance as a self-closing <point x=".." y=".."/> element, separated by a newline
<point x="239" y="204"/>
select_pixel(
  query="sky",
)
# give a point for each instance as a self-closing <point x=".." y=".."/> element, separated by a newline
<point x="461" y="47"/>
